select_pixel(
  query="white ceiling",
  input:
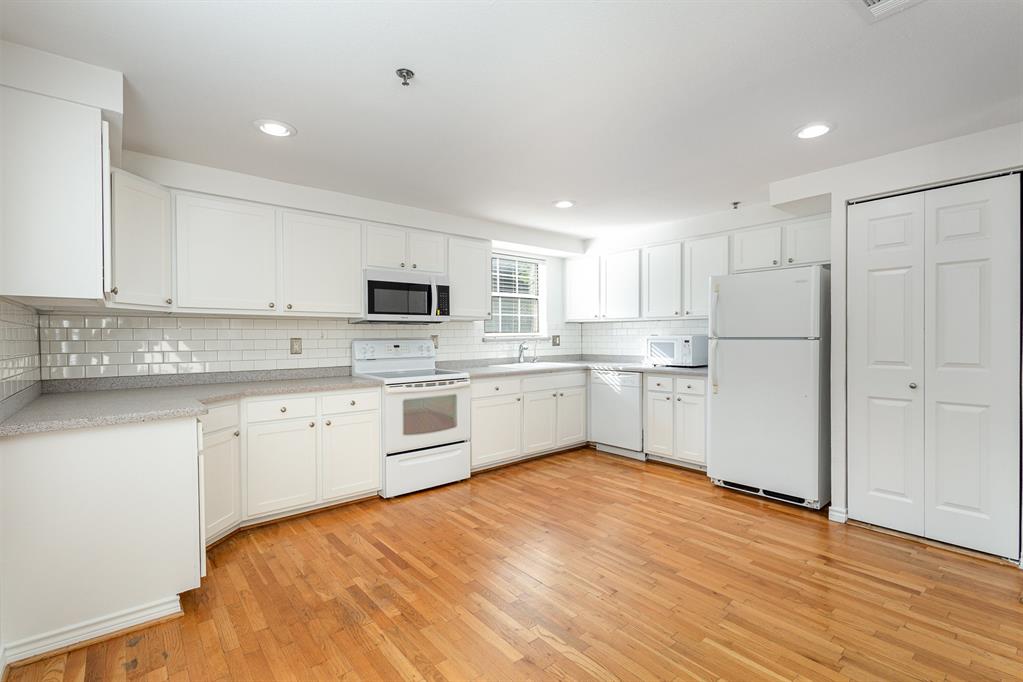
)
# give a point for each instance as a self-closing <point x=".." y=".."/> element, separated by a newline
<point x="642" y="112"/>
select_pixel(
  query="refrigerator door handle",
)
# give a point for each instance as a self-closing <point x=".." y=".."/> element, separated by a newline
<point x="714" y="365"/>
<point x="714" y="294"/>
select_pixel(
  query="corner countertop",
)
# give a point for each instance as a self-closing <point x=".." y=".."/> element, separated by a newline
<point x="86" y="409"/>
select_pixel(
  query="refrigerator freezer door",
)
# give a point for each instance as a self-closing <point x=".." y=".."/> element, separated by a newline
<point x="775" y="304"/>
<point x="764" y="415"/>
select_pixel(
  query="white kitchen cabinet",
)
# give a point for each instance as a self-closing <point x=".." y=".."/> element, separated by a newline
<point x="582" y="289"/>
<point x="496" y="429"/>
<point x="281" y="465"/>
<point x="351" y="454"/>
<point x="321" y="264"/>
<point x="662" y="281"/>
<point x="226" y="254"/>
<point x="619" y="291"/>
<point x="539" y="421"/>
<point x="808" y="241"/>
<point x="703" y="259"/>
<point x="142" y="243"/>
<point x="469" y="277"/>
<point x="222" y="481"/>
<point x="756" y="249"/>
<point x="397" y="248"/>
<point x="659" y="429"/>
<point x="571" y="416"/>
<point x="690" y="428"/>
<point x="52" y="212"/>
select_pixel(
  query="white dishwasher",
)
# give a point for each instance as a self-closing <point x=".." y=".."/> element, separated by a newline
<point x="616" y="412"/>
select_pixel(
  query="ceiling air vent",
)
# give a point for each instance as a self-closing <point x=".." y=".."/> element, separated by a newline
<point x="875" y="10"/>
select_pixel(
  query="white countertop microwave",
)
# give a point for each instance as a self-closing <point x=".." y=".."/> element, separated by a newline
<point x="677" y="351"/>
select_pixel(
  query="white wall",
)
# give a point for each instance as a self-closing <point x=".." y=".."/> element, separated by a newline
<point x="959" y="158"/>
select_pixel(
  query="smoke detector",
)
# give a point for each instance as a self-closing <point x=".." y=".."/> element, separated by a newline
<point x="876" y="10"/>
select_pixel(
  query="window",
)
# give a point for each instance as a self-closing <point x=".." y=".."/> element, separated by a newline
<point x="516" y="304"/>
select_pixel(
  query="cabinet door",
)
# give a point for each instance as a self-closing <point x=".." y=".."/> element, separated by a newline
<point x="141" y="249"/>
<point x="496" y="429"/>
<point x="659" y="434"/>
<point x="427" y="251"/>
<point x="662" y="281"/>
<point x="620" y="290"/>
<point x="582" y="289"/>
<point x="704" y="258"/>
<point x="756" y="249"/>
<point x="221" y="466"/>
<point x="51" y="211"/>
<point x="386" y="247"/>
<point x="227" y="254"/>
<point x="280" y="459"/>
<point x="808" y="242"/>
<point x="539" y="421"/>
<point x="321" y="264"/>
<point x="571" y="416"/>
<point x="469" y="277"/>
<point x="352" y="458"/>
<point x="690" y="428"/>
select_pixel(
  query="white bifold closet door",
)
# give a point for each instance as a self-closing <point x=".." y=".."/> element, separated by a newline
<point x="934" y="364"/>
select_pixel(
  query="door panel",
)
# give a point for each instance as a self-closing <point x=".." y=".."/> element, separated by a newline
<point x="690" y="428"/>
<point x="141" y="241"/>
<point x="659" y="435"/>
<point x="972" y="365"/>
<point x="281" y="465"/>
<point x="756" y="249"/>
<point x="662" y="281"/>
<point x="469" y="277"/>
<point x="571" y="416"/>
<point x="222" y="492"/>
<point x="539" y="421"/>
<point x="427" y="251"/>
<point x="885" y="356"/>
<point x="704" y="258"/>
<point x="620" y="286"/>
<point x="582" y="289"/>
<point x="321" y="264"/>
<point x="808" y="242"/>
<point x="496" y="429"/>
<point x="385" y="247"/>
<point x="352" y="458"/>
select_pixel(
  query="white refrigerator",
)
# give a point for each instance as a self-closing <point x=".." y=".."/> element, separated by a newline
<point x="767" y="411"/>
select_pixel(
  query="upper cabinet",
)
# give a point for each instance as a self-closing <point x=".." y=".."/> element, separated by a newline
<point x="227" y="254"/>
<point x="321" y="264"/>
<point x="808" y="241"/>
<point x="141" y="242"/>
<point x="620" y="285"/>
<point x="469" y="277"/>
<point x="662" y="281"/>
<point x="756" y="249"/>
<point x="704" y="258"/>
<point x="52" y="213"/>
<point x="398" y="248"/>
<point x="582" y="289"/>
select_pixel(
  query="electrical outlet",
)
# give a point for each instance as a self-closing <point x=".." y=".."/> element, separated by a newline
<point x="556" y="340"/>
<point x="296" y="345"/>
<point x="436" y="340"/>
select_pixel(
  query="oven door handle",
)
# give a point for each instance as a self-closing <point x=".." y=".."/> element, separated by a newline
<point x="462" y="384"/>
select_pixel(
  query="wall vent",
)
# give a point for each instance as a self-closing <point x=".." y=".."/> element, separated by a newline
<point x="875" y="10"/>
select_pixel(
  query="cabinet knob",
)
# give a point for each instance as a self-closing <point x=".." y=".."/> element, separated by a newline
<point x="273" y="305"/>
<point x="497" y="388"/>
<point x="289" y="306"/>
<point x="402" y="265"/>
<point x="561" y="395"/>
<point x="312" y="424"/>
<point x="774" y="262"/>
<point x="237" y="433"/>
<point x="518" y="400"/>
<point x="554" y="394"/>
<point x="595" y="315"/>
<point x="327" y="422"/>
<point x="676" y="312"/>
<point x="687" y="312"/>
<point x="791" y="260"/>
<point x="284" y="409"/>
<point x="667" y="397"/>
<point x="912" y="384"/>
<point x="688" y="386"/>
<point x="414" y="266"/>
<point x="113" y="290"/>
<point x="352" y="403"/>
<point x="169" y="301"/>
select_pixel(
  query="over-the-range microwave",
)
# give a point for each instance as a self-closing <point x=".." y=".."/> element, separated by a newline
<point x="677" y="351"/>
<point x="406" y="297"/>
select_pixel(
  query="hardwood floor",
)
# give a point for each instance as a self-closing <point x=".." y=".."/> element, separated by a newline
<point x="580" y="565"/>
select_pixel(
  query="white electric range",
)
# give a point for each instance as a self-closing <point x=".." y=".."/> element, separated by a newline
<point x="425" y="413"/>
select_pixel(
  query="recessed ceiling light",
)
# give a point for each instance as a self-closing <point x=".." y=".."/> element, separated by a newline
<point x="564" y="203"/>
<point x="812" y="130"/>
<point x="275" y="128"/>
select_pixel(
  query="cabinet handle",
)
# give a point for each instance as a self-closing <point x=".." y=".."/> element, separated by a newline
<point x="284" y="409"/>
<point x="273" y="305"/>
<point x="312" y="424"/>
<point x="289" y="306"/>
<point x="237" y="433"/>
<point x="352" y="403"/>
<point x="791" y="260"/>
<point x="594" y="316"/>
<point x="327" y="422"/>
<point x="113" y="290"/>
<point x="169" y="301"/>
<point x="774" y="262"/>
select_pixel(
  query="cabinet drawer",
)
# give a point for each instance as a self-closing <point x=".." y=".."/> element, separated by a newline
<point x="661" y="384"/>
<point x="350" y="402"/>
<point x="690" y="385"/>
<point x="487" y="388"/>
<point x="280" y="408"/>
<point x="546" y="382"/>
<point x="220" y="417"/>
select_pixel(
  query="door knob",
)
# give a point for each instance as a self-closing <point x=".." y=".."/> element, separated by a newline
<point x="912" y="384"/>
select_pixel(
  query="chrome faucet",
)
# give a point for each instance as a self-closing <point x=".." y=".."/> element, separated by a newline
<point x="523" y="347"/>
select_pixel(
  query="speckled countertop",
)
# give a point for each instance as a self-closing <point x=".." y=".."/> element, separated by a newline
<point x="64" y="411"/>
<point x="505" y="370"/>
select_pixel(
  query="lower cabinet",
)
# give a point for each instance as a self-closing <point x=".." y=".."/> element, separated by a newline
<point x="675" y="419"/>
<point x="351" y="454"/>
<point x="571" y="416"/>
<point x="659" y="431"/>
<point x="496" y="429"/>
<point x="281" y="465"/>
<point x="690" y="428"/>
<point x="222" y="481"/>
<point x="539" y="421"/>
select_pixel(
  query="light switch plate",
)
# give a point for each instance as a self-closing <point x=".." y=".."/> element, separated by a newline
<point x="296" y="345"/>
<point x="556" y="340"/>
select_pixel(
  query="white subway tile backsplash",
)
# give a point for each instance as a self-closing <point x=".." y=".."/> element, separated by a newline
<point x="629" y="338"/>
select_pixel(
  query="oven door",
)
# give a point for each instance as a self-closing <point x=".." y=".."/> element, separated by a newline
<point x="424" y="417"/>
<point x="386" y="299"/>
